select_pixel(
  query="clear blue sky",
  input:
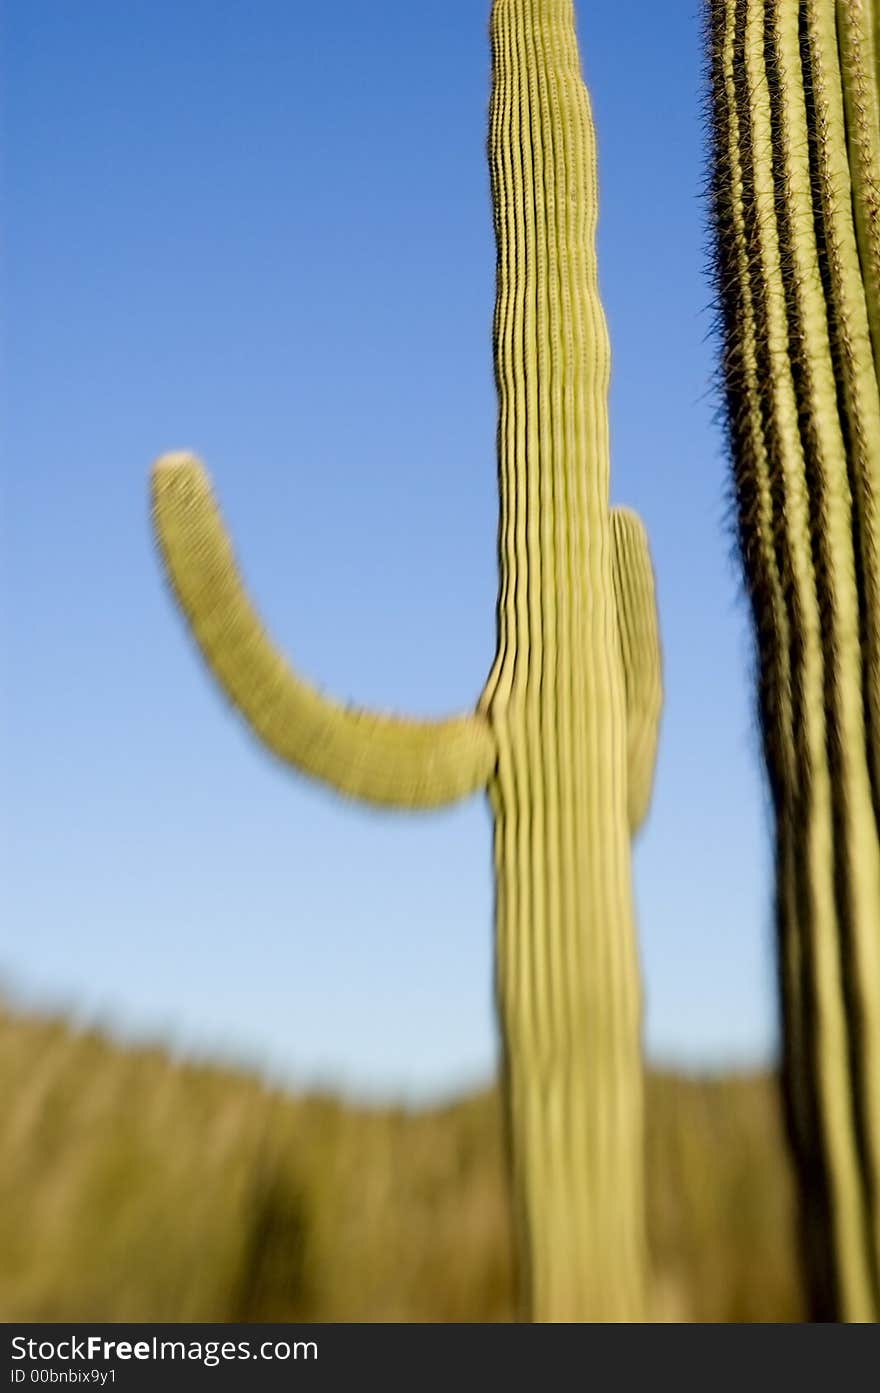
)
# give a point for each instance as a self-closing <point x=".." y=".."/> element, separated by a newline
<point x="262" y="230"/>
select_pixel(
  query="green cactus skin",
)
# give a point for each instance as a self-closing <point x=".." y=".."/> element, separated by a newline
<point x="564" y="736"/>
<point x="796" y="207"/>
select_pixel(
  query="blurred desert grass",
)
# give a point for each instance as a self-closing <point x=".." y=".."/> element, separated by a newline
<point x="137" y="1187"/>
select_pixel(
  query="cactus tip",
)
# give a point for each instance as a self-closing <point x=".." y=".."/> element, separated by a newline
<point x="177" y="460"/>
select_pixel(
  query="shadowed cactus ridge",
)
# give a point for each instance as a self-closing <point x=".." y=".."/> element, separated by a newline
<point x="795" y="105"/>
<point x="564" y="736"/>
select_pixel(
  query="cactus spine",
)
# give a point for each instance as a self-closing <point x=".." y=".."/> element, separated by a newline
<point x="564" y="735"/>
<point x="796" y="206"/>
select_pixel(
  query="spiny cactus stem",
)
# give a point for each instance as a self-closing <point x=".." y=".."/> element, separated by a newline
<point x="796" y="289"/>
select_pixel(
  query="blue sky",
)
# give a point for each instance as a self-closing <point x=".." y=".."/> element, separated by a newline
<point x="263" y="231"/>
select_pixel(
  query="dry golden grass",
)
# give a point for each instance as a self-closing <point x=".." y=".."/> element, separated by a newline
<point x="135" y="1187"/>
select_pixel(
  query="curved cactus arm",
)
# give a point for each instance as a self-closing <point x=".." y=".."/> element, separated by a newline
<point x="642" y="659"/>
<point x="382" y="759"/>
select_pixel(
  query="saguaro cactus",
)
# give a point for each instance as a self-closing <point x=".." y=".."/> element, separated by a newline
<point x="796" y="186"/>
<point x="563" y="737"/>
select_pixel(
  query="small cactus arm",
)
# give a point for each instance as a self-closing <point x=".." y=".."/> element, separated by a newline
<point x="795" y="106"/>
<point x="642" y="659"/>
<point x="564" y="735"/>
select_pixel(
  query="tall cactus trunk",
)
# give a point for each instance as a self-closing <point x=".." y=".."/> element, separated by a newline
<point x="796" y="186"/>
<point x="567" y="976"/>
<point x="564" y="736"/>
